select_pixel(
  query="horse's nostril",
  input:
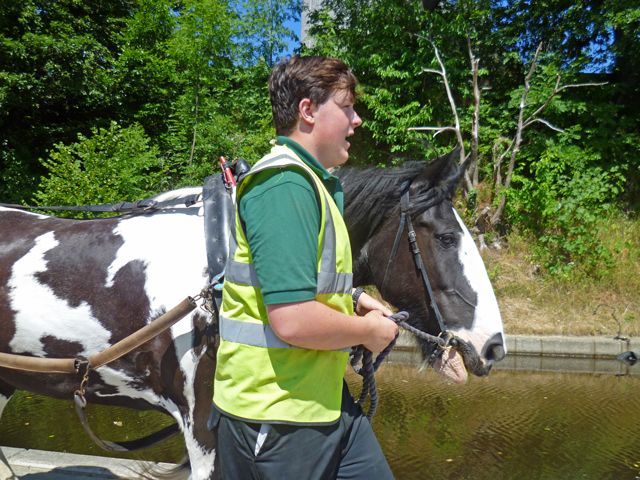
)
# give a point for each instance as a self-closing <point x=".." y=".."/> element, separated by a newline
<point x="496" y="353"/>
<point x="494" y="348"/>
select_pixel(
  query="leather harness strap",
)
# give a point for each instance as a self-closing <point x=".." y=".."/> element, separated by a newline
<point x="37" y="364"/>
<point x="143" y="335"/>
<point x="124" y="346"/>
<point x="139" y="206"/>
<point x="405" y="217"/>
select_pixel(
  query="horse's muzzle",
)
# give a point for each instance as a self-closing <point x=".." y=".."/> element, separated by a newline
<point x="474" y="362"/>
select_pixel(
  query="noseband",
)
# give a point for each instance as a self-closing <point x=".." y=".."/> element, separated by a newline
<point x="405" y="217"/>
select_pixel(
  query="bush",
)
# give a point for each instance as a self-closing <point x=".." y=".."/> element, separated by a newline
<point x="112" y="166"/>
<point x="563" y="200"/>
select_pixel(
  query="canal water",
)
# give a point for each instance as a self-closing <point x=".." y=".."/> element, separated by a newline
<point x="513" y="424"/>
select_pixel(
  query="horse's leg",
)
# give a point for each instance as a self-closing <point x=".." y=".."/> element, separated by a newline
<point x="190" y="381"/>
<point x="199" y="439"/>
<point x="200" y="442"/>
<point x="5" y="470"/>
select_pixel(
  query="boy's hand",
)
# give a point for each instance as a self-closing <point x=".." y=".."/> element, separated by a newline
<point x="367" y="303"/>
<point x="383" y="331"/>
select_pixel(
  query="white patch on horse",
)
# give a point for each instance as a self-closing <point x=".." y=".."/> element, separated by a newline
<point x="127" y="386"/>
<point x="49" y="315"/>
<point x="487" y="320"/>
<point x="39" y="215"/>
<point x="3" y="403"/>
<point x="174" y="270"/>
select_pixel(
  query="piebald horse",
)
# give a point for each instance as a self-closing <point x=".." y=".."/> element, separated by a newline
<point x="72" y="288"/>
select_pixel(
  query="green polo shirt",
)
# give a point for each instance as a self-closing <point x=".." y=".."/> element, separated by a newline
<point x="280" y="212"/>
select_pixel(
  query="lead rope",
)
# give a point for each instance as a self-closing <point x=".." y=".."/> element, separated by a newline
<point x="369" y="366"/>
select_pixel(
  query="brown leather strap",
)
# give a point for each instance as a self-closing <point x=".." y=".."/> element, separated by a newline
<point x="124" y="346"/>
<point x="37" y="364"/>
<point x="143" y="335"/>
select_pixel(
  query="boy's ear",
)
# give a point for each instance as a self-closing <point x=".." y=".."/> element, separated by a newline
<point x="305" y="107"/>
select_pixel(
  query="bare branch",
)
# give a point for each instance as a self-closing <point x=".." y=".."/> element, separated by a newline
<point x="475" y="121"/>
<point x="497" y="216"/>
<point x="432" y="128"/>
<point x="452" y="103"/>
<point x="553" y="94"/>
<point x="430" y="70"/>
<point x="557" y="89"/>
<point x="522" y="124"/>
<point x="572" y="85"/>
<point x="541" y="120"/>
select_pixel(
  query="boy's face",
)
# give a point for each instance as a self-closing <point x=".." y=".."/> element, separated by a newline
<point x="335" y="120"/>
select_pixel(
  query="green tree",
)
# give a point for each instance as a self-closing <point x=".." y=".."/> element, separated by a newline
<point x="113" y="165"/>
<point x="391" y="45"/>
<point x="67" y="67"/>
<point x="263" y="32"/>
<point x="222" y="102"/>
<point x="55" y="58"/>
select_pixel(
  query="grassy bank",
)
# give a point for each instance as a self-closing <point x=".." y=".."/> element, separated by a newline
<point x="533" y="302"/>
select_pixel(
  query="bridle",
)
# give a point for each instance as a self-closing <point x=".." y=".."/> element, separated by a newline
<point x="405" y="217"/>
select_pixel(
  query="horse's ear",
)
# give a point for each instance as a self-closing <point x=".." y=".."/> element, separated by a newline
<point x="443" y="171"/>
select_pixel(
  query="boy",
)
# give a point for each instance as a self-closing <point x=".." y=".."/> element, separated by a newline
<point x="281" y="407"/>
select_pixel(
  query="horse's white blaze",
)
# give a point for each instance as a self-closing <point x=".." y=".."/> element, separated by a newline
<point x="487" y="320"/>
<point x="39" y="313"/>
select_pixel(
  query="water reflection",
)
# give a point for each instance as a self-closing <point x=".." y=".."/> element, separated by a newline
<point x="510" y="425"/>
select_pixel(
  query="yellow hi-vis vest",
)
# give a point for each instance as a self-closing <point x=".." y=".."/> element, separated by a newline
<point x="259" y="377"/>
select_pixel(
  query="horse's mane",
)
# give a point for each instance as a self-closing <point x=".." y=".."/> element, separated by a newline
<point x="373" y="193"/>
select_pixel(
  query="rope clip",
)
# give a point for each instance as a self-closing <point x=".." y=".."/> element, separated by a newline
<point x="448" y="340"/>
<point x="444" y="340"/>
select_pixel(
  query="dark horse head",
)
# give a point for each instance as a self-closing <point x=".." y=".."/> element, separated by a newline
<point x="461" y="288"/>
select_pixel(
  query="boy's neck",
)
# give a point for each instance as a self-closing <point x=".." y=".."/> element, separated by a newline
<point x="305" y="140"/>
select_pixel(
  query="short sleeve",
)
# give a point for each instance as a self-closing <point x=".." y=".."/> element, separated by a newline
<point x="281" y="217"/>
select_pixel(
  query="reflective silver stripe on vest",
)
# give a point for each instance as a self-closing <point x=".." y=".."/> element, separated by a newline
<point x="334" y="283"/>
<point x="237" y="272"/>
<point x="254" y="334"/>
<point x="328" y="281"/>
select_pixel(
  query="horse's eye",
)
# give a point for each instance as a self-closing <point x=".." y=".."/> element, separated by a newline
<point x="447" y="240"/>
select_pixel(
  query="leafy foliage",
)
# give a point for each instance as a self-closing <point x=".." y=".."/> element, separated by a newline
<point x="563" y="200"/>
<point x="186" y="84"/>
<point x="111" y="166"/>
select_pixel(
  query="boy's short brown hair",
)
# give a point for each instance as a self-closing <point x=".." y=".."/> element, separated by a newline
<point x="312" y="77"/>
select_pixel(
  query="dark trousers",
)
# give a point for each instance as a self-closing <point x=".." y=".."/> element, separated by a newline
<point x="347" y="449"/>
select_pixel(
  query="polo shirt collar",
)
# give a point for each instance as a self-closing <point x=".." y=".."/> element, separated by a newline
<point x="306" y="157"/>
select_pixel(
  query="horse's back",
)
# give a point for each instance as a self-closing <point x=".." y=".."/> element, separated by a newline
<point x="76" y="287"/>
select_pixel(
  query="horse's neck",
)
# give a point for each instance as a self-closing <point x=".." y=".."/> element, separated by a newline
<point x="361" y="271"/>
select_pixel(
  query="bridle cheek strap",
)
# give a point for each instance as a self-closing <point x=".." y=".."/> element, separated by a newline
<point x="405" y="217"/>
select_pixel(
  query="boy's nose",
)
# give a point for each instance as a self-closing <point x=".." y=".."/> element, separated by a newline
<point x="356" y="121"/>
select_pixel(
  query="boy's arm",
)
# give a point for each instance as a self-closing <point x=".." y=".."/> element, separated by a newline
<point x="316" y="326"/>
<point x="282" y="224"/>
